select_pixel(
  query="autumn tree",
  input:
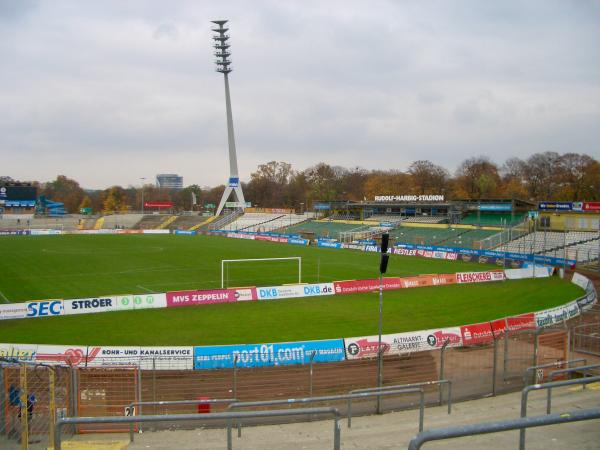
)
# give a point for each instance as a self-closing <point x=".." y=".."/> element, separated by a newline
<point x="64" y="190"/>
<point x="428" y="178"/>
<point x="115" y="199"/>
<point x="390" y="182"/>
<point x="268" y="185"/>
<point x="477" y="178"/>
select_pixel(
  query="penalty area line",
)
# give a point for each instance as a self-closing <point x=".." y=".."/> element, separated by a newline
<point x="146" y="289"/>
<point x="4" y="297"/>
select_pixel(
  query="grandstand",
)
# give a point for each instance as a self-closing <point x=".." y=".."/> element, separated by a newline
<point x="265" y="222"/>
<point x="579" y="245"/>
<point x="321" y="228"/>
<point x="492" y="219"/>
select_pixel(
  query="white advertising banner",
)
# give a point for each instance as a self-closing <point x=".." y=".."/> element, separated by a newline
<point x="296" y="290"/>
<point x="165" y="358"/>
<point x="90" y="305"/>
<point x="13" y="311"/>
<point x="556" y="315"/>
<point x="479" y="277"/>
<point x="141" y="301"/>
<point x="580" y="281"/>
<point x="156" y="231"/>
<point x="400" y="343"/>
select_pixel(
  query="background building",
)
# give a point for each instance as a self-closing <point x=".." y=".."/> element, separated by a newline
<point x="169" y="181"/>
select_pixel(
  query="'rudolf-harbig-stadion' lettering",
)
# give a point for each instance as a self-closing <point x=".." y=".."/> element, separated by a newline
<point x="258" y="355"/>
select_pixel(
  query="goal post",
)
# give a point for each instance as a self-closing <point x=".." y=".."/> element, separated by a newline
<point x="225" y="262"/>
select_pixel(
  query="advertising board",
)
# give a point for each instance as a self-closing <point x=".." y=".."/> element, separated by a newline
<point x="158" y="204"/>
<point x="273" y="354"/>
<point x="295" y="290"/>
<point x="400" y="343"/>
<point x="479" y="277"/>
<point x="521" y="322"/>
<point x="556" y="315"/>
<point x="208" y="297"/>
<point x="496" y="207"/>
<point x="45" y="308"/>
<point x="591" y="206"/>
<point x="328" y="244"/>
<point x="13" y="311"/>
<point x="141" y="301"/>
<point x="555" y="206"/>
<point x="188" y="232"/>
<point x="357" y="286"/>
<point x="155" y="231"/>
<point x="298" y="241"/>
<point x="166" y="358"/>
<point x="478" y="333"/>
<point x="89" y="305"/>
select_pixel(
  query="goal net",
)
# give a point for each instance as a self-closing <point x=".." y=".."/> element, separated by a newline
<point x="261" y="271"/>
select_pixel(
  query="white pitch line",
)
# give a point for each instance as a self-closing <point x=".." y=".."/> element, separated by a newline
<point x="4" y="297"/>
<point x="146" y="289"/>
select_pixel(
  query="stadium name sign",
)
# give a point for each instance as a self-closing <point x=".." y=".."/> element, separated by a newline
<point x="409" y="198"/>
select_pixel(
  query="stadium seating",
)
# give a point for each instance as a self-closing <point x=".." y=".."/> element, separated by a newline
<point x="121" y="220"/>
<point x="492" y="219"/>
<point x="149" y="221"/>
<point x="265" y="222"/>
<point x="320" y="228"/>
<point x="426" y="219"/>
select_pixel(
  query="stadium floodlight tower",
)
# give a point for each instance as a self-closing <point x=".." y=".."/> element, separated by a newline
<point x="224" y="67"/>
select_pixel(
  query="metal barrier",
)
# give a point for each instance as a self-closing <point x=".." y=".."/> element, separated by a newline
<point x="412" y="385"/>
<point x="348" y="397"/>
<point x="229" y="416"/>
<point x="545" y="366"/>
<point x="175" y="402"/>
<point x="560" y="372"/>
<point x="505" y="425"/>
<point x="547" y="386"/>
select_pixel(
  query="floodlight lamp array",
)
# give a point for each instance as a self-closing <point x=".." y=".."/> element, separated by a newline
<point x="223" y="63"/>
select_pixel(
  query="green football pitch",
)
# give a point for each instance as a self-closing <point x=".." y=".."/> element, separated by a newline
<point x="80" y="266"/>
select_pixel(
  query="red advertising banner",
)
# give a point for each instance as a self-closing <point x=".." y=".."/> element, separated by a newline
<point x="356" y="286"/>
<point x="158" y="204"/>
<point x="522" y="322"/>
<point x="591" y="206"/>
<point x="498" y="327"/>
<point x="188" y="298"/>
<point x="283" y="240"/>
<point x="477" y="333"/>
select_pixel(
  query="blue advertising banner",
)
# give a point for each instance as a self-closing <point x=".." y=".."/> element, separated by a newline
<point x="495" y="207"/>
<point x="555" y="206"/>
<point x="464" y="254"/>
<point x="260" y="355"/>
<point x="329" y="244"/>
<point x="185" y="232"/>
<point x="298" y="241"/>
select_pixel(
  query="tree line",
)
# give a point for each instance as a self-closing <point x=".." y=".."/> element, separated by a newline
<point x="275" y="184"/>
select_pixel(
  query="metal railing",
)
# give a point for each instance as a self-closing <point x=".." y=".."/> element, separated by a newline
<point x="424" y="384"/>
<point x="505" y="425"/>
<point x="348" y="397"/>
<point x="548" y="387"/>
<point x="229" y="416"/>
<point x="546" y="366"/>
<point x="213" y="401"/>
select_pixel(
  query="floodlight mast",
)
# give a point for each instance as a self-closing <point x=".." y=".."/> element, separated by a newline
<point x="224" y="66"/>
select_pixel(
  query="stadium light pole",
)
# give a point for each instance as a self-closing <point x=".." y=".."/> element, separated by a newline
<point x="382" y="269"/>
<point x="142" y="179"/>
<point x="224" y="66"/>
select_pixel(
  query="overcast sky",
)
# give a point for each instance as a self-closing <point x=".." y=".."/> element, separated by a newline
<point x="110" y="91"/>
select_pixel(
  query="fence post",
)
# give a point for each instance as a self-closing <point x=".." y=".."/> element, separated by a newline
<point x="235" y="369"/>
<point x="536" y="342"/>
<point x="4" y="424"/>
<point x="52" y="405"/>
<point x="138" y="392"/>
<point x="442" y="364"/>
<point x="73" y="403"/>
<point x="506" y="339"/>
<point x="154" y="382"/>
<point x="23" y="408"/>
<point x="495" y="366"/>
<point x="310" y="385"/>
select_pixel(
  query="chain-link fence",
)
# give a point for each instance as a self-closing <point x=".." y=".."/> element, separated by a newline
<point x="32" y="397"/>
<point x="475" y="371"/>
